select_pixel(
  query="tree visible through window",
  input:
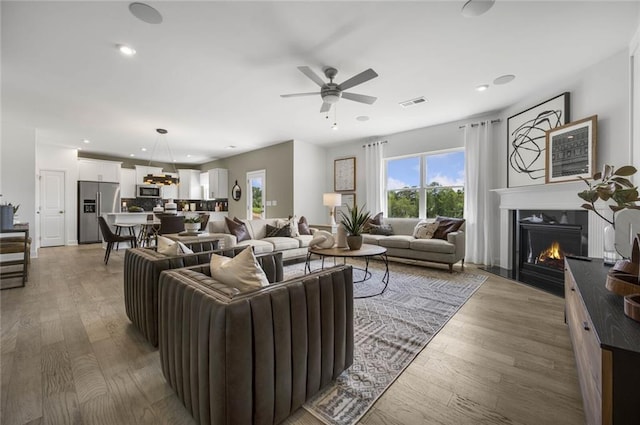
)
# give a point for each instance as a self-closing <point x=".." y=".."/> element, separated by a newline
<point x="426" y="186"/>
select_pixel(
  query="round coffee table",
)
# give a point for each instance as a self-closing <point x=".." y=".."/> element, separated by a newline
<point x="366" y="251"/>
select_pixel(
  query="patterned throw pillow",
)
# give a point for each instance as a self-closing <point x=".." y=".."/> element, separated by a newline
<point x="424" y="230"/>
<point x="278" y="232"/>
<point x="238" y="229"/>
<point x="447" y="225"/>
<point x="382" y="229"/>
<point x="375" y="220"/>
<point x="292" y="222"/>
<point x="303" y="226"/>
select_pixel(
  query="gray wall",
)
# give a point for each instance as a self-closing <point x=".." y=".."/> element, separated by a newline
<point x="277" y="160"/>
<point x="309" y="170"/>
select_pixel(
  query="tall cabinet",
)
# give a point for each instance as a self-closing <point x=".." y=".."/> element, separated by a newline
<point x="218" y="183"/>
<point x="189" y="184"/>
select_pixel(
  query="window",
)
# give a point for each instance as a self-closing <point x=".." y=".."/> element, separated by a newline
<point x="426" y="185"/>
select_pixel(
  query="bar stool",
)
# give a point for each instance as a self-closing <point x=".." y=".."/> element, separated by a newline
<point x="120" y="226"/>
<point x="148" y="231"/>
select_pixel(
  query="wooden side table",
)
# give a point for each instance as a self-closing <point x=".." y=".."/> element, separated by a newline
<point x="15" y="240"/>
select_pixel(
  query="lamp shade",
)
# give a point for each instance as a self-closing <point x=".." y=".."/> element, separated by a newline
<point x="332" y="199"/>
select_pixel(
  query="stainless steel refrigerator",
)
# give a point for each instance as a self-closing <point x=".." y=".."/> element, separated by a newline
<point x="95" y="199"/>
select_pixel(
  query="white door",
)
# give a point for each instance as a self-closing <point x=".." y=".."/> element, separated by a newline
<point x="52" y="213"/>
<point x="256" y="194"/>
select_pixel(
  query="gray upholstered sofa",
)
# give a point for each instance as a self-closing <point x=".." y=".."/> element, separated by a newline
<point x="293" y="247"/>
<point x="142" y="268"/>
<point x="253" y="357"/>
<point x="402" y="244"/>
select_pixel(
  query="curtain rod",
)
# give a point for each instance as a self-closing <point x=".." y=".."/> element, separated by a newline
<point x="475" y="124"/>
<point x="382" y="142"/>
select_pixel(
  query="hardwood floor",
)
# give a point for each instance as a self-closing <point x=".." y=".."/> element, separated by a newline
<point x="70" y="355"/>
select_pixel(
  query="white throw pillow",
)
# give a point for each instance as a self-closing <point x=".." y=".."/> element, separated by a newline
<point x="168" y="247"/>
<point x="323" y="239"/>
<point x="424" y="230"/>
<point x="242" y="271"/>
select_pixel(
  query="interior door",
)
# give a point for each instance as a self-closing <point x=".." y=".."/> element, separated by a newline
<point x="52" y="204"/>
<point x="256" y="194"/>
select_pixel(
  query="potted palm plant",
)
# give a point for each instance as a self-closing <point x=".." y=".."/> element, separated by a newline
<point x="192" y="224"/>
<point x="353" y="222"/>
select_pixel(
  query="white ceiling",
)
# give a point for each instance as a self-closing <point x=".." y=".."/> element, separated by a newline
<point x="212" y="72"/>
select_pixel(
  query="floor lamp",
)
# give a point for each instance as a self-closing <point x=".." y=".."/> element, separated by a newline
<point x="332" y="200"/>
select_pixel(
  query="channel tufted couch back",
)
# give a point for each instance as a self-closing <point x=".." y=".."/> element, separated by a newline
<point x="256" y="357"/>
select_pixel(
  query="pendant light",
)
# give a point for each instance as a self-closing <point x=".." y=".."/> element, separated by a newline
<point x="162" y="179"/>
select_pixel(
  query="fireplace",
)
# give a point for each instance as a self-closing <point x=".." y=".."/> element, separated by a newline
<point x="542" y="239"/>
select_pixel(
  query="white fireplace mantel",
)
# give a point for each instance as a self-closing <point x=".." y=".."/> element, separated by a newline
<point x="555" y="196"/>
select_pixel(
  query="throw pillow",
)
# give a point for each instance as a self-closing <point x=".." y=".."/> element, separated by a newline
<point x="238" y="229"/>
<point x="447" y="225"/>
<point x="382" y="229"/>
<point x="279" y="232"/>
<point x="168" y="247"/>
<point x="242" y="271"/>
<point x="292" y="222"/>
<point x="424" y="230"/>
<point x="322" y="239"/>
<point x="303" y="226"/>
<point x="375" y="220"/>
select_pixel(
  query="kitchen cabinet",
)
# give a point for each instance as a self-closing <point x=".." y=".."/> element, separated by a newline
<point x="127" y="183"/>
<point x="170" y="191"/>
<point x="218" y="183"/>
<point x="189" y="187"/>
<point x="99" y="171"/>
<point x="143" y="170"/>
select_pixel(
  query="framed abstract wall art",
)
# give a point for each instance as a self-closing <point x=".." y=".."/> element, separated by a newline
<point x="571" y="150"/>
<point x="526" y="138"/>
<point x="344" y="175"/>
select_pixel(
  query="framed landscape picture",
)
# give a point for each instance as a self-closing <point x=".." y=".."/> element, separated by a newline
<point x="344" y="175"/>
<point x="526" y="138"/>
<point x="571" y="150"/>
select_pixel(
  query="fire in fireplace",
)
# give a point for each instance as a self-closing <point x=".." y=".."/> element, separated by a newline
<point x="552" y="256"/>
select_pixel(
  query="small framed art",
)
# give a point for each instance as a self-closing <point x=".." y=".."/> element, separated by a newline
<point x="571" y="150"/>
<point x="344" y="175"/>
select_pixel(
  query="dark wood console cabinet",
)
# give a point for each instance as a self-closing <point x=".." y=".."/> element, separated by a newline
<point x="606" y="344"/>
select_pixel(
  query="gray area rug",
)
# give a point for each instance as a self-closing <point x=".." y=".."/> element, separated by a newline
<point x="390" y="330"/>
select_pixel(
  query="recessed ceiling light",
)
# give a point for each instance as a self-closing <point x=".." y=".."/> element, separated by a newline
<point x="145" y="13"/>
<point x="188" y="155"/>
<point x="143" y="149"/>
<point x="79" y="148"/>
<point x="132" y="154"/>
<point x="504" y="79"/>
<point x="362" y="118"/>
<point x="482" y="87"/>
<point x="334" y="127"/>
<point x="174" y="160"/>
<point x="86" y="141"/>
<point x="126" y="50"/>
<point x="231" y="147"/>
<point x="476" y="7"/>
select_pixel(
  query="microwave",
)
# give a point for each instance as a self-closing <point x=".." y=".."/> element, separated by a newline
<point x="148" y="191"/>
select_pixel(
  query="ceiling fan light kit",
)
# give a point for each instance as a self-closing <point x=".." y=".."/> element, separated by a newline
<point x="331" y="92"/>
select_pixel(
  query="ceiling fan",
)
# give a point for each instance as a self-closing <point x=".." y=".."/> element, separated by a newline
<point x="332" y="92"/>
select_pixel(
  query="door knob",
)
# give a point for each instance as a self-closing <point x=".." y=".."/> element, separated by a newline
<point x="61" y="212"/>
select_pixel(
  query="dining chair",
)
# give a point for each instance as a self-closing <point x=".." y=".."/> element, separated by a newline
<point x="110" y="238"/>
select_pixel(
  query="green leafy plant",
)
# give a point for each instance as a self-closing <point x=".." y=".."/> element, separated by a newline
<point x="354" y="220"/>
<point x="611" y="185"/>
<point x="194" y="219"/>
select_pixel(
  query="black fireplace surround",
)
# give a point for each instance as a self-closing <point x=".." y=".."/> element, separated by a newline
<point x="541" y="240"/>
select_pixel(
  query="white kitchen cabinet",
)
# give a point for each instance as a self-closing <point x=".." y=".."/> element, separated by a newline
<point x="170" y="191"/>
<point x="98" y="171"/>
<point x="143" y="170"/>
<point x="218" y="183"/>
<point x="128" y="183"/>
<point x="189" y="184"/>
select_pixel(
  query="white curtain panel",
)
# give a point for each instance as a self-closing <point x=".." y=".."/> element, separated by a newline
<point x="478" y="140"/>
<point x="374" y="176"/>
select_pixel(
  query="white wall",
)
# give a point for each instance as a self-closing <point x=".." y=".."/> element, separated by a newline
<point x="634" y="56"/>
<point x="308" y="170"/>
<point x="18" y="172"/>
<point x="56" y="158"/>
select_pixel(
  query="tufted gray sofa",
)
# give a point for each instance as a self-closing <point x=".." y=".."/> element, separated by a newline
<point x="402" y="244"/>
<point x="253" y="357"/>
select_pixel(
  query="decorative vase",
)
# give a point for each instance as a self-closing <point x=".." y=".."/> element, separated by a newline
<point x="191" y="227"/>
<point x="341" y="240"/>
<point x="354" y="242"/>
<point x="609" y="254"/>
<point x="6" y="216"/>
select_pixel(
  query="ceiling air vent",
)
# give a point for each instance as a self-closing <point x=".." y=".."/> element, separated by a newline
<point x="412" y="102"/>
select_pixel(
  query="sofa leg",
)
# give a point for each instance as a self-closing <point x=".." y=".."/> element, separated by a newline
<point x="462" y="265"/>
<point x="450" y="268"/>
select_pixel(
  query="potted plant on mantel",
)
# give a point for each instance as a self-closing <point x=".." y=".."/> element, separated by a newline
<point x="353" y="222"/>
<point x="611" y="185"/>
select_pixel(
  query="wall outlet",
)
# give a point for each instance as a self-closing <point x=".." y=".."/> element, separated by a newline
<point x="274" y="203"/>
<point x="268" y="203"/>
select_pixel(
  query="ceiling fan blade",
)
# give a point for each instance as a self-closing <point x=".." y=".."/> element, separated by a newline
<point x="325" y="107"/>
<point x="300" y="94"/>
<point x="312" y="75"/>
<point x="359" y="98"/>
<point x="358" y="79"/>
